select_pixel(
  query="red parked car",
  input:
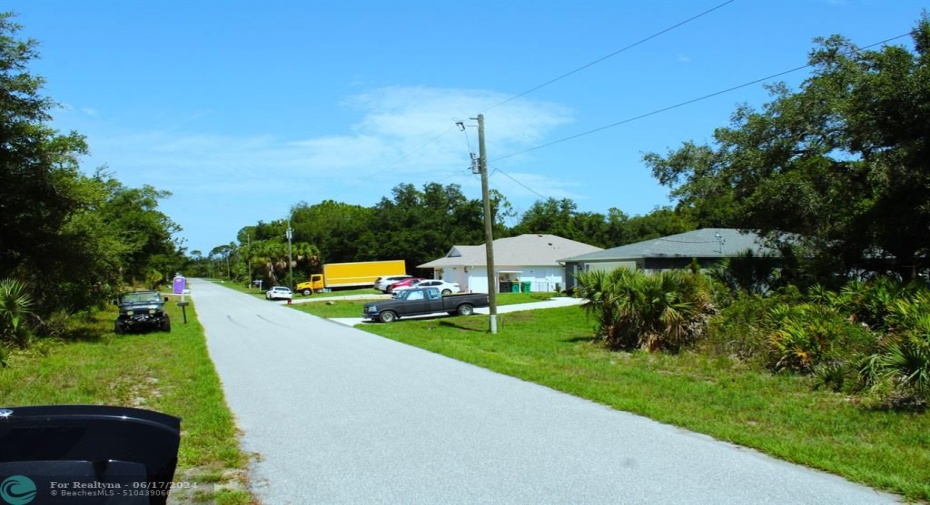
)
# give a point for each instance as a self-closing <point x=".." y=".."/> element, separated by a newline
<point x="413" y="281"/>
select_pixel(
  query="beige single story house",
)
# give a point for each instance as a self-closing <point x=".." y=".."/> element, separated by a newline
<point x="530" y="261"/>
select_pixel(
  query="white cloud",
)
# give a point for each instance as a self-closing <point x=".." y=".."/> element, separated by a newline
<point x="402" y="135"/>
<point x="401" y="130"/>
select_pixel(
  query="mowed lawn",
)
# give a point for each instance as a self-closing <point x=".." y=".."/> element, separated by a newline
<point x="780" y="415"/>
<point x="166" y="372"/>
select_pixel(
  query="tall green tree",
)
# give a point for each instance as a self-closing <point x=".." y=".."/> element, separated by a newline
<point x="72" y="239"/>
<point x="263" y="254"/>
<point x="550" y="216"/>
<point x="149" y="250"/>
<point x="419" y="226"/>
<point x="38" y="166"/>
<point x="840" y="164"/>
<point x="562" y="218"/>
<point x="341" y="232"/>
<point x="661" y="222"/>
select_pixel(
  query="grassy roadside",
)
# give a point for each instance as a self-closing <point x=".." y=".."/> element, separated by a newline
<point x="778" y="415"/>
<point x="166" y="372"/>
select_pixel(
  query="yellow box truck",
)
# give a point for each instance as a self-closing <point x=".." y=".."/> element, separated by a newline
<point x="351" y="275"/>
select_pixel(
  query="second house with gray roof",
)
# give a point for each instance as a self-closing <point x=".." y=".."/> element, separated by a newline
<point x="706" y="246"/>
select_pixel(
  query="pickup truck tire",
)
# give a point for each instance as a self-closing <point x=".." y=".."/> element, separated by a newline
<point x="306" y="292"/>
<point x="465" y="310"/>
<point x="387" y="316"/>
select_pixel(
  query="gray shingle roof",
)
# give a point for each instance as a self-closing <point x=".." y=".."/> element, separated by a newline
<point x="529" y="249"/>
<point x="703" y="243"/>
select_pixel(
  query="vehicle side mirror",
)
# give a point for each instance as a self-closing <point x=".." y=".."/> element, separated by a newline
<point x="86" y="446"/>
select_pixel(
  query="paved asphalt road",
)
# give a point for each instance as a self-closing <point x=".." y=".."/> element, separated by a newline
<point x="338" y="416"/>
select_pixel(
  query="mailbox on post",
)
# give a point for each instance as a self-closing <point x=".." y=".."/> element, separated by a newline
<point x="180" y="288"/>
<point x="180" y="284"/>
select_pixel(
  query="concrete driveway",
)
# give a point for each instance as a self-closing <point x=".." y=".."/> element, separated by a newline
<point x="336" y="415"/>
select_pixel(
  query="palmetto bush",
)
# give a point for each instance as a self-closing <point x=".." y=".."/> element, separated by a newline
<point x="900" y="370"/>
<point x="637" y="310"/>
<point x="871" y="302"/>
<point x="808" y="337"/>
<point x="15" y="309"/>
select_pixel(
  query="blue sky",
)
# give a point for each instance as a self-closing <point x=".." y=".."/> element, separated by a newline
<point x="242" y="109"/>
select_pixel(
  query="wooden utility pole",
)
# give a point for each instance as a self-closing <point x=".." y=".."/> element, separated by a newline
<point x="248" y="257"/>
<point x="488" y="224"/>
<point x="290" y="256"/>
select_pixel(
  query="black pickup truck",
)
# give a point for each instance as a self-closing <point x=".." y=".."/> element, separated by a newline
<point x="415" y="302"/>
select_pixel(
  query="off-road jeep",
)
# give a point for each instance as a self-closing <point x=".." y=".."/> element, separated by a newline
<point x="142" y="311"/>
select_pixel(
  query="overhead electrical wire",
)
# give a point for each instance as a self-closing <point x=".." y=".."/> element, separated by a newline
<point x="547" y="83"/>
<point x="611" y="55"/>
<point x="681" y="104"/>
<point x="531" y="190"/>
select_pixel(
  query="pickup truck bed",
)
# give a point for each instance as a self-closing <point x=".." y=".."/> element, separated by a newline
<point x="415" y="302"/>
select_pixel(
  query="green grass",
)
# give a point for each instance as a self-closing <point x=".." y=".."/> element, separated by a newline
<point x="332" y="309"/>
<point x="777" y="414"/>
<point x="166" y="372"/>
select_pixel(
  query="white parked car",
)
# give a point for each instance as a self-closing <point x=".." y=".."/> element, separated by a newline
<point x="279" y="293"/>
<point x="444" y="287"/>
<point x="383" y="282"/>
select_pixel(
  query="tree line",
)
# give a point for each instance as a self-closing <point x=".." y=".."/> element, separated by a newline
<point x="413" y="224"/>
<point x="68" y="241"/>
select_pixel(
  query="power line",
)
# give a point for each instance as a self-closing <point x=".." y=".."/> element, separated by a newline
<point x="681" y="104"/>
<point x="611" y="55"/>
<point x="531" y="190"/>
<point x="642" y="41"/>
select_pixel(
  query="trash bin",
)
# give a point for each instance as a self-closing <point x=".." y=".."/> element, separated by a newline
<point x="525" y="286"/>
<point x="505" y="286"/>
<point x="515" y="287"/>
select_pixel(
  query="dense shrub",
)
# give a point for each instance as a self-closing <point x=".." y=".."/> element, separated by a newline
<point x="869" y="337"/>
<point x="739" y="330"/>
<point x="748" y="273"/>
<point x="808" y="336"/>
<point x="899" y="372"/>
<point x="871" y="302"/>
<point x="638" y="310"/>
<point x="786" y="333"/>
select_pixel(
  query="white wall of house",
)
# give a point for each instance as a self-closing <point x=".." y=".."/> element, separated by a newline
<point x="475" y="279"/>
